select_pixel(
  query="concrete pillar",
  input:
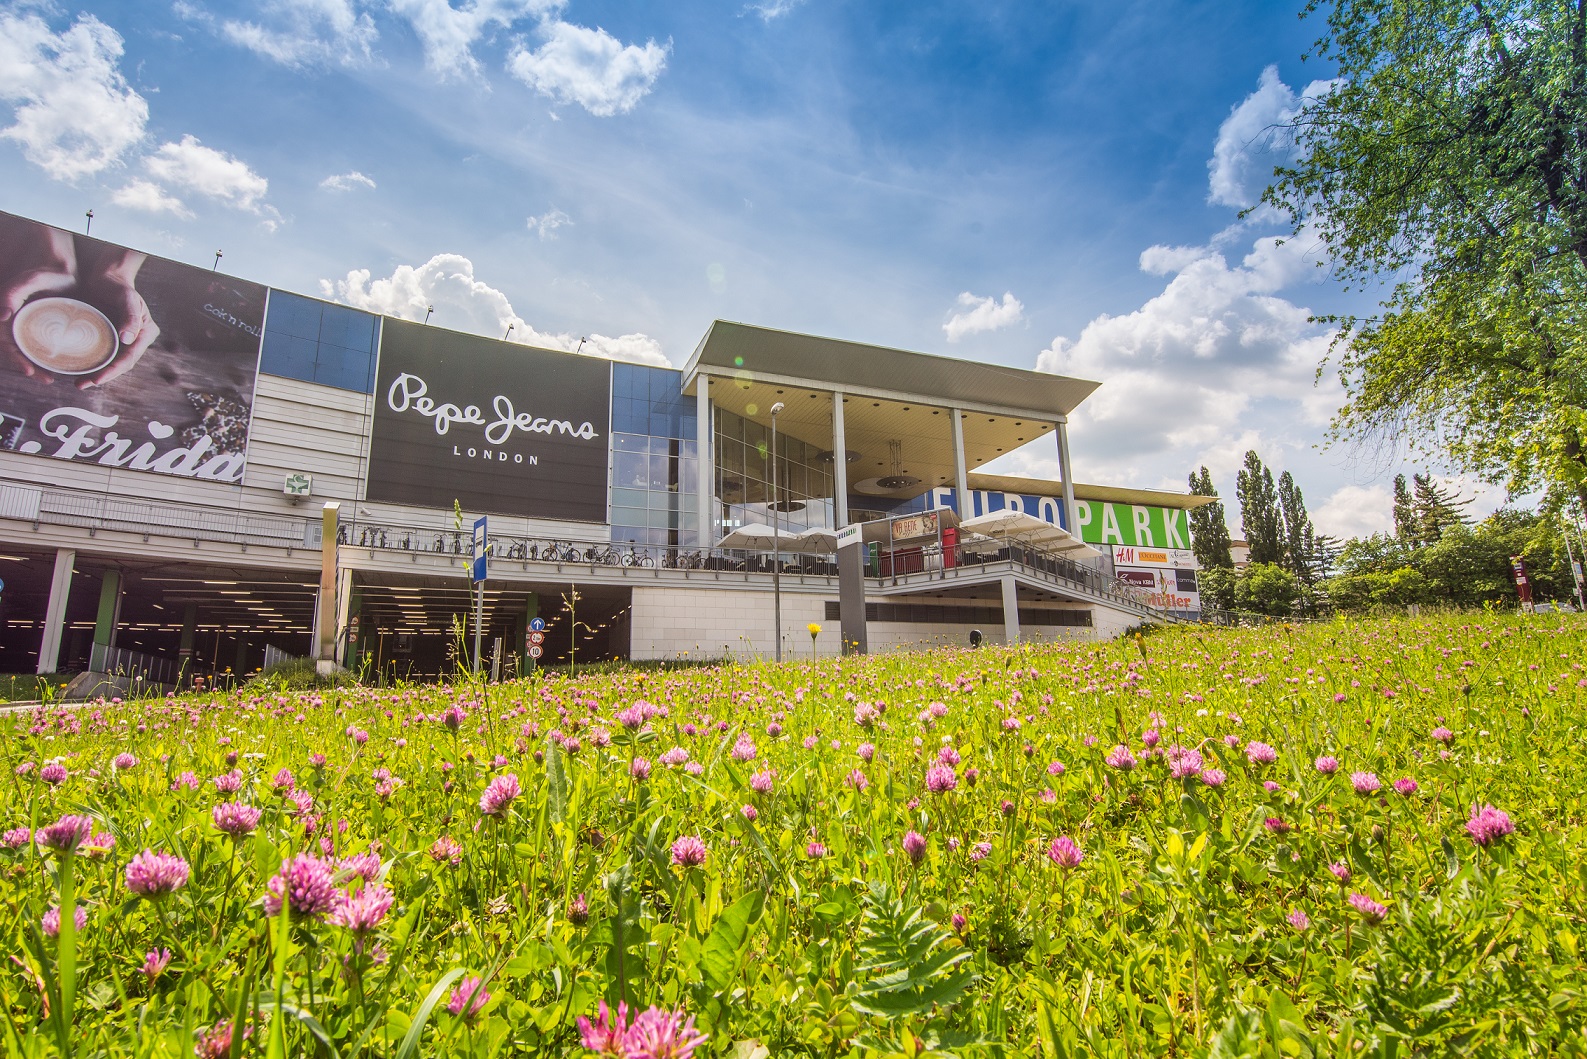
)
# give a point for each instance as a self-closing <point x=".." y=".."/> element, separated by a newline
<point x="1010" y="610"/>
<point x="109" y="609"/>
<point x="961" y="476"/>
<point x="344" y="599"/>
<point x="55" y="611"/>
<point x="327" y="611"/>
<point x="702" y="456"/>
<point x="1071" y="513"/>
<point x="189" y="630"/>
<point x="240" y="667"/>
<point x="840" y="464"/>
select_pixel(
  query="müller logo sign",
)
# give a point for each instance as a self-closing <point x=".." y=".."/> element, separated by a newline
<point x="410" y="391"/>
<point x="499" y="428"/>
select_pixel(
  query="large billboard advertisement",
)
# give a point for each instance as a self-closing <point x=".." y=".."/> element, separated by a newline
<point x="494" y="426"/>
<point x="1134" y="525"/>
<point x="117" y="358"/>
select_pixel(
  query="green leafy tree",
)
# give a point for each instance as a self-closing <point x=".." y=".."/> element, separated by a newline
<point x="1299" y="538"/>
<point x="1209" y="532"/>
<point x="1449" y="161"/>
<point x="1217" y="587"/>
<point x="1267" y="588"/>
<point x="1260" y="518"/>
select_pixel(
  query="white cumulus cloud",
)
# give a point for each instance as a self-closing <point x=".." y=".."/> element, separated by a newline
<point x="1355" y="511"/>
<point x="467" y="303"/>
<point x="771" y="10"/>
<point x="191" y="166"/>
<point x="298" y="32"/>
<point x="547" y="223"/>
<point x="1253" y="139"/>
<point x="448" y="34"/>
<point x="75" y="114"/>
<point x="346" y="181"/>
<point x="590" y="67"/>
<point x="983" y="314"/>
<point x="1182" y="375"/>
<point x="150" y="197"/>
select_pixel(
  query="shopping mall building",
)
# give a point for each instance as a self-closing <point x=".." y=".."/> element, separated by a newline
<point x="163" y="498"/>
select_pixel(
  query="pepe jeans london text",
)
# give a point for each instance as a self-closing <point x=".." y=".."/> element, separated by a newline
<point x="411" y="392"/>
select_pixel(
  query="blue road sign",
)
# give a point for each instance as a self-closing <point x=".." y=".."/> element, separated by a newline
<point x="537" y="625"/>
<point x="479" y="551"/>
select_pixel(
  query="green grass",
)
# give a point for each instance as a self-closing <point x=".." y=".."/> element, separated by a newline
<point x="1203" y="918"/>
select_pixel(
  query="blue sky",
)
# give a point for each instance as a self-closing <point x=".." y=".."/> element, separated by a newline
<point x="1051" y="185"/>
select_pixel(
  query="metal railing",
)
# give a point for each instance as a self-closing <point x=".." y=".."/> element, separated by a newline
<point x="59" y="507"/>
<point x="152" y="518"/>
<point x="135" y="665"/>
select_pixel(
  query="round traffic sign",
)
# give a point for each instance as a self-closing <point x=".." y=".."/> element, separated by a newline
<point x="537" y="624"/>
<point x="536" y="651"/>
<point x="536" y="637"/>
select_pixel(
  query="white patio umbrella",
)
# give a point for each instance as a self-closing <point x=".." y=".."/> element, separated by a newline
<point x="817" y="540"/>
<point x="756" y="537"/>
<point x="1028" y="529"/>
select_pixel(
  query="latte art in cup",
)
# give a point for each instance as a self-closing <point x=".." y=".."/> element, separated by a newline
<point x="65" y="336"/>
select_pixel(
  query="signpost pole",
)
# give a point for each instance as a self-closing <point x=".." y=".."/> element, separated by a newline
<point x="479" y="618"/>
<point x="477" y="571"/>
<point x="776" y="540"/>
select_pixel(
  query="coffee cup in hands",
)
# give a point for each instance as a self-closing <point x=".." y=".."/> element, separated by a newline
<point x="65" y="336"/>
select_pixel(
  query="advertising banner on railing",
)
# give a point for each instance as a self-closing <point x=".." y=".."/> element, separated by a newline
<point x="493" y="426"/>
<point x="121" y="359"/>
<point x="1165" y="589"/>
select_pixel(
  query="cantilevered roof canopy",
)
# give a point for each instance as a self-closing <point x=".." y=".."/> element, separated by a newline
<point x="892" y="398"/>
<point x="1008" y="483"/>
<point x="761" y="353"/>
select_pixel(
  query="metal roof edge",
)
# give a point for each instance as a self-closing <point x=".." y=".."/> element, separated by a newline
<point x="1009" y="483"/>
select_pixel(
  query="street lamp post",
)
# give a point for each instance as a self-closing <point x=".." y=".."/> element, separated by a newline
<point x="776" y="540"/>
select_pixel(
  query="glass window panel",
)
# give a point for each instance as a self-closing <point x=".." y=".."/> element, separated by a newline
<point x="635" y="498"/>
<point x="342" y="367"/>
<point x="294" y="315"/>
<point x="630" y="470"/>
<point x="287" y="355"/>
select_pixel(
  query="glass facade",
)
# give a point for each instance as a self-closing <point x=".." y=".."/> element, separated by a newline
<point x="654" y="462"/>
<point x="744" y="475"/>
<point x="315" y="341"/>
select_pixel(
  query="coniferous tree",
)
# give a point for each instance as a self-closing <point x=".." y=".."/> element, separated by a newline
<point x="1209" y="533"/>
<point x="1437" y="509"/>
<point x="1404" y="510"/>
<point x="1260" y="519"/>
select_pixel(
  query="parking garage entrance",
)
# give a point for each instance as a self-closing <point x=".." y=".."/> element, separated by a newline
<point x="176" y="621"/>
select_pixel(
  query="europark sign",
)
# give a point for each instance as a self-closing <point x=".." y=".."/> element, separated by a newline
<point x="1163" y="529"/>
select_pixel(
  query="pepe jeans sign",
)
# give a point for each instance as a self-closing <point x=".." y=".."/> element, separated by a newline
<point x="410" y="391"/>
<point x="494" y="426"/>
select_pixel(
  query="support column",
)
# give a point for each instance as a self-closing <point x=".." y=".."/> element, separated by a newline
<point x="961" y="476"/>
<point x="344" y="611"/>
<point x="189" y="631"/>
<point x="840" y="464"/>
<point x="326" y="612"/>
<point x="1071" y="513"/>
<point x="109" y="609"/>
<point x="1010" y="610"/>
<point x="702" y="453"/>
<point x="55" y="611"/>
